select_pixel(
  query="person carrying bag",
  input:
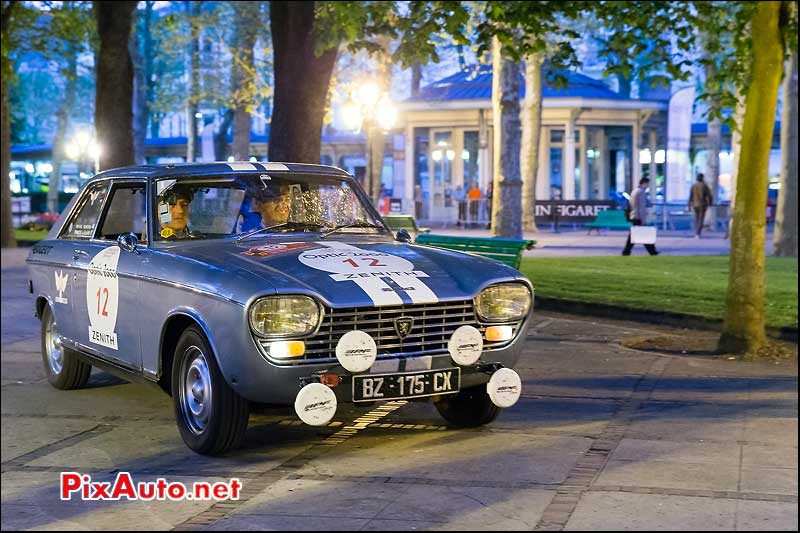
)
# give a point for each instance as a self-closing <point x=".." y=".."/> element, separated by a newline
<point x="640" y="234"/>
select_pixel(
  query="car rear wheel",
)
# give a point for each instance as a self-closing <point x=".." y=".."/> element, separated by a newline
<point x="469" y="408"/>
<point x="62" y="366"/>
<point x="212" y="417"/>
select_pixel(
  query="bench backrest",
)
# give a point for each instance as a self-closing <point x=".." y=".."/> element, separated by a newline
<point x="508" y="251"/>
<point x="611" y="215"/>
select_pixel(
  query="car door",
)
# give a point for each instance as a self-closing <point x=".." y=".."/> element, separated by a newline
<point x="72" y="250"/>
<point x="106" y="294"/>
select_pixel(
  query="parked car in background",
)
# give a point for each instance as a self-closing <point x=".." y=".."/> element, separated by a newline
<point x="227" y="284"/>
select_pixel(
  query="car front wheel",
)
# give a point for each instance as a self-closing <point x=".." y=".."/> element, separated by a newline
<point x="212" y="417"/>
<point x="64" y="369"/>
<point x="469" y="408"/>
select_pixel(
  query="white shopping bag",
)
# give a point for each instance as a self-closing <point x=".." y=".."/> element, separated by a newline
<point x="643" y="235"/>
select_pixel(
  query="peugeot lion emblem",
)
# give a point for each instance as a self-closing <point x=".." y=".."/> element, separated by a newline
<point x="403" y="326"/>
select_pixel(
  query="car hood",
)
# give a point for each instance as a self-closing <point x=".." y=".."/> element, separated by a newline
<point x="358" y="272"/>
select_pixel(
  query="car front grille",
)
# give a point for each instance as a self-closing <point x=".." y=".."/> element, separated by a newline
<point x="431" y="331"/>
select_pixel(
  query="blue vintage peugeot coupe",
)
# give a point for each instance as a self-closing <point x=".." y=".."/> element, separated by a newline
<point x="231" y="283"/>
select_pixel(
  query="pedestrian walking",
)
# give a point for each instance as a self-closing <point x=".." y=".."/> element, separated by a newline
<point x="461" y="198"/>
<point x="700" y="198"/>
<point x="638" y="204"/>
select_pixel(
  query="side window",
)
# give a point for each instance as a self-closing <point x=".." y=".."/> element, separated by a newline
<point x="84" y="219"/>
<point x="125" y="213"/>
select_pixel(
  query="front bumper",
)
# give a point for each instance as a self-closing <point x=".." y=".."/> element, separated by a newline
<point x="257" y="380"/>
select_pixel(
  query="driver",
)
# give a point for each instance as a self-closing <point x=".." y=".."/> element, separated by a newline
<point x="274" y="209"/>
<point x="173" y="212"/>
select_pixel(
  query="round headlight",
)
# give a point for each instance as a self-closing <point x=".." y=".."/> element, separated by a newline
<point x="503" y="302"/>
<point x="286" y="316"/>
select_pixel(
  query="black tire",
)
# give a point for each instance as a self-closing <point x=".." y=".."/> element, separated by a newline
<point x="469" y="408"/>
<point x="65" y="370"/>
<point x="220" y="423"/>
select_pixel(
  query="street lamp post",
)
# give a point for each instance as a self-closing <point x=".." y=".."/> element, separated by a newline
<point x="373" y="112"/>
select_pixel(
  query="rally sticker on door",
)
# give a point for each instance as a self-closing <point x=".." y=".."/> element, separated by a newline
<point x="61" y="286"/>
<point x="102" y="296"/>
<point x="379" y="274"/>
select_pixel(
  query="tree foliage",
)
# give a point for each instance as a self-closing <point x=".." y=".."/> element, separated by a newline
<point x="412" y="24"/>
<point x="172" y="33"/>
<point x="730" y="48"/>
<point x="209" y="24"/>
<point x="647" y="40"/>
<point x="528" y="28"/>
<point x="43" y="40"/>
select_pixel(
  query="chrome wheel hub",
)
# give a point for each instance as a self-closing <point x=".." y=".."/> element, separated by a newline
<point x="52" y="341"/>
<point x="195" y="390"/>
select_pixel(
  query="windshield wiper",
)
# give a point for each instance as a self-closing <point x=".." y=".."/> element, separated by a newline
<point x="273" y="228"/>
<point x="351" y="225"/>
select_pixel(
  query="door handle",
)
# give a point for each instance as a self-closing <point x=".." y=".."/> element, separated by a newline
<point x="77" y="253"/>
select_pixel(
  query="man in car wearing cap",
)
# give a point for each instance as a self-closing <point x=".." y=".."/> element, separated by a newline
<point x="173" y="213"/>
<point x="274" y="209"/>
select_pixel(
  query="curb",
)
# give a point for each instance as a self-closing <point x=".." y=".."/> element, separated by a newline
<point x="649" y="316"/>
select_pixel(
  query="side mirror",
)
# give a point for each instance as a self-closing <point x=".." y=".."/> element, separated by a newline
<point x="403" y="235"/>
<point x="128" y="242"/>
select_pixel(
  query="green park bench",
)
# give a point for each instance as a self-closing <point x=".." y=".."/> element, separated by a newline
<point x="508" y="251"/>
<point x="406" y="222"/>
<point x="610" y="218"/>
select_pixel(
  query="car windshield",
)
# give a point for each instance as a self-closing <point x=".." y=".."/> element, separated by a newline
<point x="248" y="205"/>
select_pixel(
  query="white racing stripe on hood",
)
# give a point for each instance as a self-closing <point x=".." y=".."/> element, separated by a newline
<point x="242" y="166"/>
<point x="398" y="269"/>
<point x="418" y="291"/>
<point x="274" y="166"/>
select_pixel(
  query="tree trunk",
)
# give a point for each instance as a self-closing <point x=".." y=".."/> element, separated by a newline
<point x="7" y="239"/>
<point x="139" y="97"/>
<point x="624" y="86"/>
<point x="113" y="115"/>
<point x="713" y="140"/>
<point x="302" y="80"/>
<point x="462" y="62"/>
<point x="221" y="137"/>
<point x="194" y="83"/>
<point x="377" y="144"/>
<point x="61" y="131"/>
<point x="416" y="78"/>
<point x="149" y="87"/>
<point x="506" y="200"/>
<point x="713" y="147"/>
<point x="531" y="133"/>
<point x="785" y="239"/>
<point x="736" y="148"/>
<point x="743" y="328"/>
<point x="244" y="75"/>
<point x="376" y="138"/>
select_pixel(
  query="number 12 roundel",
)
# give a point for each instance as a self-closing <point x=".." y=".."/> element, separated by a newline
<point x="102" y="297"/>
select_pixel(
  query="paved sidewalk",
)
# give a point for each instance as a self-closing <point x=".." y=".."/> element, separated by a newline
<point x="576" y="242"/>
<point x="604" y="438"/>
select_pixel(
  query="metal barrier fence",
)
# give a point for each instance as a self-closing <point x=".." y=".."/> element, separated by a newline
<point x="676" y="216"/>
<point x="476" y="214"/>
